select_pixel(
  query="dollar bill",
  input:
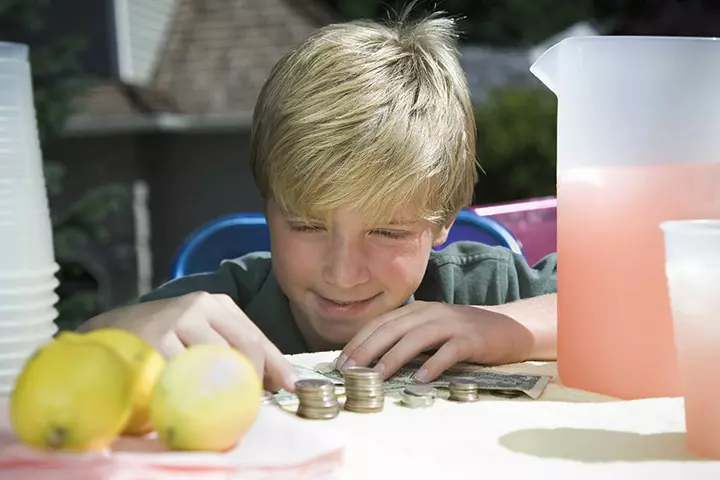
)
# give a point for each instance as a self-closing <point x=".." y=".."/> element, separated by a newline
<point x="487" y="379"/>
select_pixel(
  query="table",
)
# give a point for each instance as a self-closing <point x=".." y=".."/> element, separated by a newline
<point x="566" y="433"/>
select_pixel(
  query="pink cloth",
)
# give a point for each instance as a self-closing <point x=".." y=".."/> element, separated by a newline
<point x="279" y="445"/>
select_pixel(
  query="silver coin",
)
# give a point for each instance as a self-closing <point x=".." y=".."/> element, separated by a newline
<point x="420" y="391"/>
<point x="312" y="383"/>
<point x="506" y="393"/>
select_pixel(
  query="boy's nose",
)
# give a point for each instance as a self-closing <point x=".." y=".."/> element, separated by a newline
<point x="345" y="265"/>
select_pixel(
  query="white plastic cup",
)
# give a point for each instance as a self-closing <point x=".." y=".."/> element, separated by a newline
<point x="19" y="197"/>
<point x="27" y="244"/>
<point x="26" y="278"/>
<point x="692" y="269"/>
<point x="28" y="312"/>
<point x="23" y="343"/>
<point x="42" y="327"/>
<point x="15" y="361"/>
<point x="39" y="288"/>
<point x="28" y="302"/>
<point x="28" y="327"/>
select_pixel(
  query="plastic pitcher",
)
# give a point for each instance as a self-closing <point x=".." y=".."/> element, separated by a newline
<point x="638" y="144"/>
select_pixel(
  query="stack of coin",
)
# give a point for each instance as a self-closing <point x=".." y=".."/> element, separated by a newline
<point x="463" y="390"/>
<point x="317" y="399"/>
<point x="418" y="396"/>
<point x="363" y="390"/>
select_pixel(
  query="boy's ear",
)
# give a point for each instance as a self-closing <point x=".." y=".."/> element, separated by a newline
<point x="442" y="234"/>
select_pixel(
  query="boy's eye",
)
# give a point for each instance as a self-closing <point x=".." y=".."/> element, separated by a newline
<point x="395" y="234"/>
<point x="306" y="227"/>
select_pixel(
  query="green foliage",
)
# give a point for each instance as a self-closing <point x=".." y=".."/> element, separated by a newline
<point x="516" y="145"/>
<point x="57" y="80"/>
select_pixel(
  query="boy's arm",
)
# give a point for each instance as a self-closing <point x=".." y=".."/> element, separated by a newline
<point x="539" y="316"/>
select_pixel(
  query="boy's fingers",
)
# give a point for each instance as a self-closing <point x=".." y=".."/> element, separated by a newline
<point x="279" y="369"/>
<point x="170" y="345"/>
<point x="383" y="339"/>
<point x="242" y="333"/>
<point x="452" y="352"/>
<point x="200" y="333"/>
<point x="369" y="330"/>
<point x="416" y="341"/>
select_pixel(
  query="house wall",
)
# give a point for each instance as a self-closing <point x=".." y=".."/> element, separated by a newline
<point x="193" y="179"/>
<point x="90" y="163"/>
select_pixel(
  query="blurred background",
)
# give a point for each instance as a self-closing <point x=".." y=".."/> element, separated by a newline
<point x="144" y="109"/>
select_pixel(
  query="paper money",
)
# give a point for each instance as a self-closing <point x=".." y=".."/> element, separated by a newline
<point x="487" y="379"/>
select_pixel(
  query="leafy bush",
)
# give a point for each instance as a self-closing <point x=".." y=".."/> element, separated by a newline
<point x="516" y="145"/>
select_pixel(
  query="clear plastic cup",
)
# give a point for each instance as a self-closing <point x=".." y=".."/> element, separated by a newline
<point x="692" y="269"/>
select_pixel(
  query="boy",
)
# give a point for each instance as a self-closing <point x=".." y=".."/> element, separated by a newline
<point x="363" y="147"/>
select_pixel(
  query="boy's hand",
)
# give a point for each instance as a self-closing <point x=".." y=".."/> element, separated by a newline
<point x="173" y="324"/>
<point x="458" y="332"/>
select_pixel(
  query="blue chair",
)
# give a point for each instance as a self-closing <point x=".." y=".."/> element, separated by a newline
<point x="230" y="236"/>
<point x="235" y="235"/>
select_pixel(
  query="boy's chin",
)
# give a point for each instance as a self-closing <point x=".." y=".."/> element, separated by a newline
<point x="337" y="334"/>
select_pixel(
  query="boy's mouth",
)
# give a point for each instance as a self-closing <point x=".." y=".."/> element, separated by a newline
<point x="334" y="307"/>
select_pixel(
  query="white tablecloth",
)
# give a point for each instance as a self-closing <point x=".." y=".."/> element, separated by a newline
<point x="566" y="433"/>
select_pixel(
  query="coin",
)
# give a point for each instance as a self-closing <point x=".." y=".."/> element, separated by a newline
<point x="463" y="390"/>
<point x="364" y="391"/>
<point x="420" y="390"/>
<point x="418" y="396"/>
<point x="317" y="399"/>
<point x="506" y="393"/>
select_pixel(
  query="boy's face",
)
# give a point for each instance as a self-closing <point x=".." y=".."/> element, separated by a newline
<point x="341" y="275"/>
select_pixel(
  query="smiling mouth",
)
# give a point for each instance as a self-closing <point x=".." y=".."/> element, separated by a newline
<point x="350" y="302"/>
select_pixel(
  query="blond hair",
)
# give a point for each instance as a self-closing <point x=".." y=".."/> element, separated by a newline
<point x="369" y="116"/>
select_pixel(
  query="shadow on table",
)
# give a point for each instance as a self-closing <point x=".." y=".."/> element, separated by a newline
<point x="586" y="445"/>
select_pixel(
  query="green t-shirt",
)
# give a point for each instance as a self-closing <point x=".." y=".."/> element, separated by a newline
<point x="464" y="273"/>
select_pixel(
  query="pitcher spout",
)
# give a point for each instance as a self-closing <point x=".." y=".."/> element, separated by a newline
<point x="547" y="67"/>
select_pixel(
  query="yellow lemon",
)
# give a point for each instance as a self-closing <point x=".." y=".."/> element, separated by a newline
<point x="145" y="363"/>
<point x="207" y="398"/>
<point x="71" y="396"/>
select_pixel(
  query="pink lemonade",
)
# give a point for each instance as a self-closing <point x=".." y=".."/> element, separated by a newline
<point x="697" y="339"/>
<point x="615" y="331"/>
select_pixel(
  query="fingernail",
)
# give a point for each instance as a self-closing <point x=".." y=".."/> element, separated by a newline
<point x="348" y="364"/>
<point x="340" y="360"/>
<point x="421" y="375"/>
<point x="380" y="368"/>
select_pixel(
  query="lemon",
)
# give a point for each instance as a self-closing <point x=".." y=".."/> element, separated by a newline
<point x="145" y="363"/>
<point x="71" y="396"/>
<point x="207" y="398"/>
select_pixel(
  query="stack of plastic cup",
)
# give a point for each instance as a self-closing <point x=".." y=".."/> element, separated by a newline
<point x="27" y="257"/>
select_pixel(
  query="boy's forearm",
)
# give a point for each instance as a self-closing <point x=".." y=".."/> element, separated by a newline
<point x="539" y="316"/>
<point x="109" y="319"/>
